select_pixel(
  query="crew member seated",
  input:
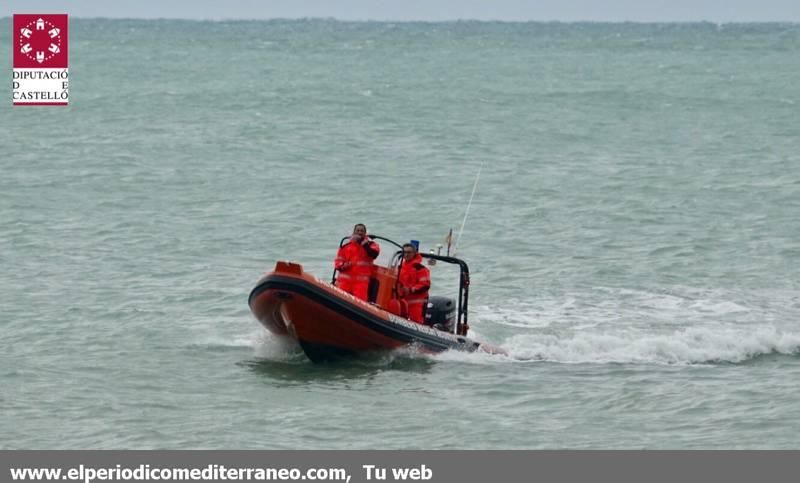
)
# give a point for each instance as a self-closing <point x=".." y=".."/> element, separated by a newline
<point x="414" y="282"/>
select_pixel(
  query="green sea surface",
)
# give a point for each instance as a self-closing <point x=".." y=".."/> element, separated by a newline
<point x="634" y="238"/>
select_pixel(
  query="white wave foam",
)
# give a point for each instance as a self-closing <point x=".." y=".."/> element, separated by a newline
<point x="478" y="357"/>
<point x="220" y="342"/>
<point x="687" y="346"/>
<point x="276" y="348"/>
<point x="263" y="344"/>
<point x="672" y="325"/>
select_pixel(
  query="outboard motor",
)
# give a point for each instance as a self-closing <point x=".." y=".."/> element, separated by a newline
<point x="441" y="313"/>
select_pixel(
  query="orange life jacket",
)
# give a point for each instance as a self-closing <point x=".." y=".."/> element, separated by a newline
<point x="360" y="257"/>
<point x="416" y="278"/>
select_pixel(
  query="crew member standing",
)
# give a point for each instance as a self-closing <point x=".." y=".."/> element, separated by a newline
<point x="414" y="282"/>
<point x="354" y="262"/>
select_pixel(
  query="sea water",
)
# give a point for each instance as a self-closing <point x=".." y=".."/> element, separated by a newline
<point x="634" y="239"/>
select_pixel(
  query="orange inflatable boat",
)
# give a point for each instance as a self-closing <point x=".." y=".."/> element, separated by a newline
<point x="330" y="324"/>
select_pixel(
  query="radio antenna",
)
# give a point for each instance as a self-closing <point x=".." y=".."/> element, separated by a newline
<point x="466" y="213"/>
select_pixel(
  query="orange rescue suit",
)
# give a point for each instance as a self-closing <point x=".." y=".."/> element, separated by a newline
<point x="416" y="278"/>
<point x="354" y="263"/>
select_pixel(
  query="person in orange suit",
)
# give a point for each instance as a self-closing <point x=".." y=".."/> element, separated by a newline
<point x="354" y="262"/>
<point x="414" y="282"/>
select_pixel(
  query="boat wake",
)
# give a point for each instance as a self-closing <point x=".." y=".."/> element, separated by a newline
<point x="686" y="346"/>
<point x="677" y="326"/>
